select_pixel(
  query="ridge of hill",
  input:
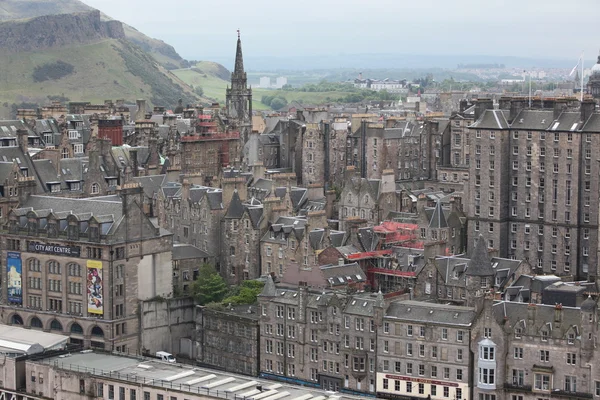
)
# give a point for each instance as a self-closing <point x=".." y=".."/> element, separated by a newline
<point x="26" y="9"/>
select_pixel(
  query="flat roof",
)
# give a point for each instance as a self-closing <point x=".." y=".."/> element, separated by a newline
<point x="184" y="377"/>
<point x="17" y="339"/>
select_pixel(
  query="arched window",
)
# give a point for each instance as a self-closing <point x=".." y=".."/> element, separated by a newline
<point x="54" y="267"/>
<point x="95" y="188"/>
<point x="36" y="323"/>
<point x="97" y="331"/>
<point x="55" y="325"/>
<point x="16" y="320"/>
<point x="77" y="329"/>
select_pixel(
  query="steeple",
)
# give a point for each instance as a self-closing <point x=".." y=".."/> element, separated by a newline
<point x="239" y="58"/>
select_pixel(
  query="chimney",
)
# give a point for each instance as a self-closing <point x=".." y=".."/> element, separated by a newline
<point x="481" y="105"/>
<point x="559" y="106"/>
<point x="134" y="161"/>
<point x="463" y="105"/>
<point x="421" y="204"/>
<point x="22" y="139"/>
<point x="504" y="103"/>
<point x="141" y="109"/>
<point x="516" y="106"/>
<point x="558" y="314"/>
<point x="185" y="195"/>
<point x="341" y="261"/>
<point x="587" y="109"/>
<point x="388" y="182"/>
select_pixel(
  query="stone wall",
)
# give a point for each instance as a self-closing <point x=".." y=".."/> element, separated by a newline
<point x="164" y="323"/>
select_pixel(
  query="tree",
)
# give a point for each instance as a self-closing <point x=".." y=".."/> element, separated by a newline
<point x="245" y="293"/>
<point x="278" y="103"/>
<point x="199" y="91"/>
<point x="209" y="286"/>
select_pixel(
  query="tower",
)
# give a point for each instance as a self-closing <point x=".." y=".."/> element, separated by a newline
<point x="593" y="86"/>
<point x="238" y="99"/>
<point x="479" y="275"/>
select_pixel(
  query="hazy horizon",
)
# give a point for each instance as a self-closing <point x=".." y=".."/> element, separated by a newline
<point x="537" y="29"/>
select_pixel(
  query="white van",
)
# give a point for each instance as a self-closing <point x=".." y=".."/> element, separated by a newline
<point x="164" y="356"/>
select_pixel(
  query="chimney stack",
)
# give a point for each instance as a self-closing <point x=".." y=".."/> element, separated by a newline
<point x="481" y="105"/>
<point x="587" y="109"/>
<point x="141" y="109"/>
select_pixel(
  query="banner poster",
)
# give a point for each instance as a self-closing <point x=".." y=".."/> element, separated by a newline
<point x="14" y="271"/>
<point x="95" y="299"/>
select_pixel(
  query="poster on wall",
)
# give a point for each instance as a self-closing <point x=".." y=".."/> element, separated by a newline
<point x="14" y="269"/>
<point x="95" y="300"/>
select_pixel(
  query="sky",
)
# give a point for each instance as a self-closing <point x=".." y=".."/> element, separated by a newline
<point x="206" y="30"/>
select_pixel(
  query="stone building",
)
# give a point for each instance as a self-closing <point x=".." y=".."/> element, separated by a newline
<point x="193" y="214"/>
<point x="187" y="261"/>
<point x="292" y="243"/>
<point x="533" y="351"/>
<point x="449" y="279"/>
<point x="370" y="200"/>
<point x="410" y="149"/>
<point x="242" y="228"/>
<point x="327" y="339"/>
<point x="229" y="338"/>
<point x="593" y="86"/>
<point x="80" y="267"/>
<point x="532" y="188"/>
<point x="424" y="351"/>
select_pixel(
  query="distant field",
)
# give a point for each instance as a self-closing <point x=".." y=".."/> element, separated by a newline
<point x="214" y="87"/>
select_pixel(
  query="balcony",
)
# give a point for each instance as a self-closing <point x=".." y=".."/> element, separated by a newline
<point x="571" y="395"/>
<point x="517" y="387"/>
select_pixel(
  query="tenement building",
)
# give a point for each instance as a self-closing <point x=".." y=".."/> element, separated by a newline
<point x="534" y="189"/>
<point x="79" y="267"/>
<point x="424" y="351"/>
<point x="327" y="339"/>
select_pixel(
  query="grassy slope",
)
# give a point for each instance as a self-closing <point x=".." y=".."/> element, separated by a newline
<point x="100" y="73"/>
<point x="214" y="87"/>
<point x="20" y="9"/>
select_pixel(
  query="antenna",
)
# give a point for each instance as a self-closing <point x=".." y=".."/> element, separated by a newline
<point x="238" y="32"/>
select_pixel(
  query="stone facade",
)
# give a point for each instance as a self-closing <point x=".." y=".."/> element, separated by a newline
<point x="83" y="273"/>
<point x="323" y="338"/>
<point x="532" y="189"/>
<point x="229" y="339"/>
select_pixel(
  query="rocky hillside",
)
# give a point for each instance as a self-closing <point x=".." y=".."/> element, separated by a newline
<point x="50" y="31"/>
<point x="25" y="9"/>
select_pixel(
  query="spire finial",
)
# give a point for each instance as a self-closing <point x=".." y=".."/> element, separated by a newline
<point x="238" y="32"/>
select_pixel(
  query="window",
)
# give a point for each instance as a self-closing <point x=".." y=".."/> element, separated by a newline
<point x="409" y="330"/>
<point x="571" y="358"/>
<point x="542" y="382"/>
<point x="459" y="335"/>
<point x="544" y="355"/>
<point x="570" y="383"/>
<point x="434" y="371"/>
<point x="518" y="353"/>
<point x="487" y="376"/>
<point x="444" y="333"/>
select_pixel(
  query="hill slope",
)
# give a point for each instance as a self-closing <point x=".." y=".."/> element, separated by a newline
<point x="79" y="57"/>
<point x="23" y="9"/>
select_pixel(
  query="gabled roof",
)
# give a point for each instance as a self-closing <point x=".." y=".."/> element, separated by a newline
<point x="491" y="119"/>
<point x="480" y="264"/>
<point x="438" y="219"/>
<point x="236" y="208"/>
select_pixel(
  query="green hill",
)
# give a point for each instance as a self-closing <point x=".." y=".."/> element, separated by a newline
<point x="109" y="69"/>
<point x="23" y="9"/>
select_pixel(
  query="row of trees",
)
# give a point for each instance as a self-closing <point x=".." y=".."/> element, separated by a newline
<point x="211" y="288"/>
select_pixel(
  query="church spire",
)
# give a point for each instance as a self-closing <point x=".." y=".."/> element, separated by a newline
<point x="239" y="58"/>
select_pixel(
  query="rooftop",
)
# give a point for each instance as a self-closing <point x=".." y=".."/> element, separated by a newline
<point x="185" y="378"/>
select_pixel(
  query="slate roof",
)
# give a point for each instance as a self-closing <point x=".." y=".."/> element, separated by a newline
<point x="480" y="263"/>
<point x="430" y="313"/>
<point x="567" y="121"/>
<point x="438" y="219"/>
<point x="592" y="124"/>
<point x="269" y="290"/>
<point x="151" y="184"/>
<point x="515" y="315"/>
<point x="337" y="238"/>
<point x="341" y="275"/>
<point x="533" y="120"/>
<point x="492" y="119"/>
<point x="187" y="251"/>
<point x="236" y="208"/>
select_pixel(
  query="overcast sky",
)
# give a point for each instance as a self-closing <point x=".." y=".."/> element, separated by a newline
<point x="205" y="29"/>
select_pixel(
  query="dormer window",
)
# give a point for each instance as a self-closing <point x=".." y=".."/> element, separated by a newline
<point x="75" y="186"/>
<point x="55" y="187"/>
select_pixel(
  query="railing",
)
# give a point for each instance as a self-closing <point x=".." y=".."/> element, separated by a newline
<point x="571" y="395"/>
<point x="216" y="136"/>
<point x="515" y="386"/>
<point x="132" y="378"/>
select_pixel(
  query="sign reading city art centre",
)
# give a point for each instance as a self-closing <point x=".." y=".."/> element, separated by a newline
<point x="55" y="249"/>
